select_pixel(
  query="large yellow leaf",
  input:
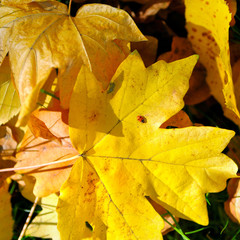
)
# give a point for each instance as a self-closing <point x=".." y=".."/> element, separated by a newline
<point x="40" y="36"/>
<point x="119" y="211"/>
<point x="126" y="158"/>
<point x="9" y="100"/>
<point x="207" y="25"/>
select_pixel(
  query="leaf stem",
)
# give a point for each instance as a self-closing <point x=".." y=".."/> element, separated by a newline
<point x="28" y="219"/>
<point x="69" y="7"/>
<point x="40" y="165"/>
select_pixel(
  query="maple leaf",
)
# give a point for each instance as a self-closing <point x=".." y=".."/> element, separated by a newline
<point x="126" y="158"/>
<point x="207" y="25"/>
<point x="9" y="100"/>
<point x="56" y="40"/>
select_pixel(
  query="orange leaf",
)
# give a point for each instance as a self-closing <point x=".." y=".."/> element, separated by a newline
<point x="39" y="129"/>
<point x="232" y="205"/>
<point x="179" y="120"/>
<point x="35" y="151"/>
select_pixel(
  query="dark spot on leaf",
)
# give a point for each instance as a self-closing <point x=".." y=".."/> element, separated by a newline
<point x="88" y="225"/>
<point x="194" y="29"/>
<point x="171" y="127"/>
<point x="142" y="119"/>
<point x="111" y="87"/>
<point x="225" y="79"/>
<point x="93" y="116"/>
<point x="176" y="51"/>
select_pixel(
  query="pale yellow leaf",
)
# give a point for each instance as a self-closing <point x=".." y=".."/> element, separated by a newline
<point x="40" y="36"/>
<point x="44" y="225"/>
<point x="208" y="31"/>
<point x="9" y="99"/>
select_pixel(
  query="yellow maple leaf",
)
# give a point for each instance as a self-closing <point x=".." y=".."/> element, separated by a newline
<point x="207" y="25"/>
<point x="40" y="36"/>
<point x="126" y="156"/>
<point x="9" y="100"/>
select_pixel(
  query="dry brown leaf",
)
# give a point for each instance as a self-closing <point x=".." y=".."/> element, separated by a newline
<point x="151" y="8"/>
<point x="232" y="205"/>
<point x="39" y="128"/>
<point x="198" y="88"/>
<point x="7" y="142"/>
<point x="232" y="4"/>
<point x="179" y="120"/>
<point x="147" y="50"/>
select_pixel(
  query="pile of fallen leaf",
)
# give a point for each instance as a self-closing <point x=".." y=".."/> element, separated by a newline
<point x="92" y="126"/>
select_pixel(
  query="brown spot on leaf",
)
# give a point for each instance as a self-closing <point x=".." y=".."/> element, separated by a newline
<point x="225" y="79"/>
<point x="93" y="116"/>
<point x="194" y="29"/>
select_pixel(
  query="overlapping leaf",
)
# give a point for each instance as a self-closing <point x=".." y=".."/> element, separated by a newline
<point x="40" y="36"/>
<point x="37" y="151"/>
<point x="9" y="99"/>
<point x="207" y="25"/>
<point x="231" y="206"/>
<point x="125" y="159"/>
<point x="198" y="89"/>
<point x="44" y="224"/>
